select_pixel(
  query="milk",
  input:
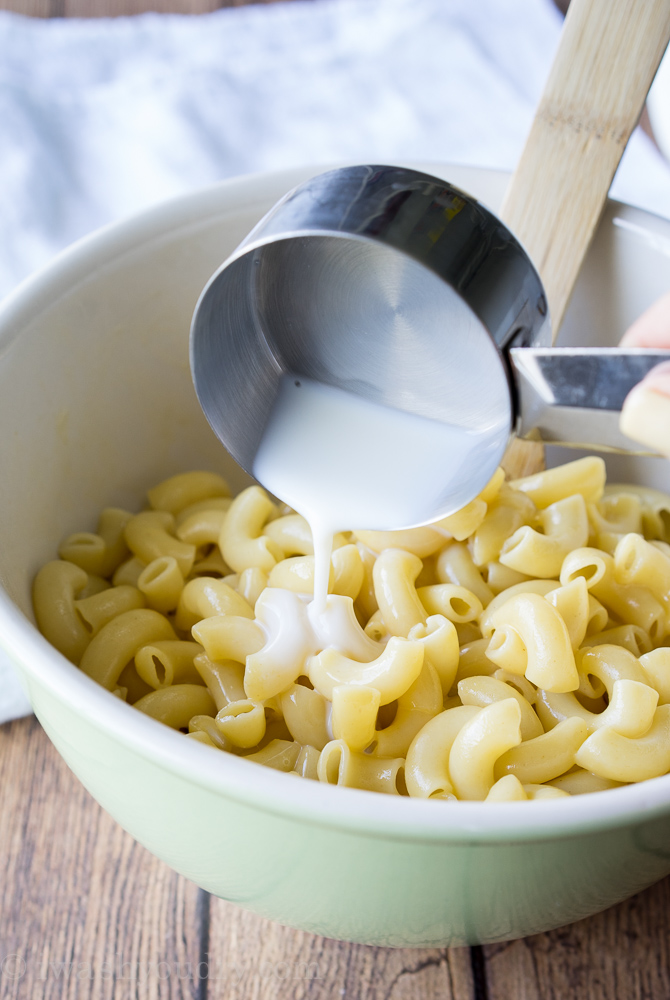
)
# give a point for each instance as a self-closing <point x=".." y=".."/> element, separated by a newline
<point x="344" y="462"/>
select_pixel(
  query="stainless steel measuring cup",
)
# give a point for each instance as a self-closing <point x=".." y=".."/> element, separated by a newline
<point x="400" y="288"/>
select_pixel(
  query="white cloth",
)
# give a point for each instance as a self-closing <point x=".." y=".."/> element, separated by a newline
<point x="101" y="118"/>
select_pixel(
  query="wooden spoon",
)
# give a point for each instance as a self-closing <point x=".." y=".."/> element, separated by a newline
<point x="607" y="57"/>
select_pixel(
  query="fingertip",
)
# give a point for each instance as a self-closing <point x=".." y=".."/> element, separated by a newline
<point x="645" y="415"/>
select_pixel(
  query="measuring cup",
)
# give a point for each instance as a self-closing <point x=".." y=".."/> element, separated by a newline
<point x="397" y="288"/>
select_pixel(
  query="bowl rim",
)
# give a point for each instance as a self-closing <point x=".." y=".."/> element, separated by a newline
<point x="354" y="810"/>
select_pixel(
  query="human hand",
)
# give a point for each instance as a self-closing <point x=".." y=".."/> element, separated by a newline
<point x="645" y="416"/>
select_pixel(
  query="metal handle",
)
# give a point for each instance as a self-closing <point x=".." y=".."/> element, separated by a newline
<point x="574" y="395"/>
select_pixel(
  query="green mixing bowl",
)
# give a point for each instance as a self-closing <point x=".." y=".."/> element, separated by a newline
<point x="97" y="405"/>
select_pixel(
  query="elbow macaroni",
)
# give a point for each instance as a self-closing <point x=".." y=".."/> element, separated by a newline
<point x="513" y="651"/>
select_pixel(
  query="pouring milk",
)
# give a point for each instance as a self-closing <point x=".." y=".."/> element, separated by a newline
<point x="344" y="462"/>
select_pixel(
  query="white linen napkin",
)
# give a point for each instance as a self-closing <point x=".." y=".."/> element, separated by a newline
<point x="101" y="118"/>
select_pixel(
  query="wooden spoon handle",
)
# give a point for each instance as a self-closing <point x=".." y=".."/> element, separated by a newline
<point x="606" y="60"/>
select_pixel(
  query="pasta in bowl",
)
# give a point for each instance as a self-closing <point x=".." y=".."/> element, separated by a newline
<point x="95" y="380"/>
<point x="513" y="651"/>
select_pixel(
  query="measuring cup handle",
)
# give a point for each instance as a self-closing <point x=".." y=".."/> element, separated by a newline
<point x="574" y="395"/>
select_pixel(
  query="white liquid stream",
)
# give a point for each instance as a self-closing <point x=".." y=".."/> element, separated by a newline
<point x="344" y="462"/>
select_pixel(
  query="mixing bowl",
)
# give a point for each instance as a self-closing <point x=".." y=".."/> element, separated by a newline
<point x="96" y="405"/>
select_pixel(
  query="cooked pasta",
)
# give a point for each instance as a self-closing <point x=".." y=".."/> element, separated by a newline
<point x="515" y="651"/>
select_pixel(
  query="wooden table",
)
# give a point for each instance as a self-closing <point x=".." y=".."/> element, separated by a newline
<point x="87" y="913"/>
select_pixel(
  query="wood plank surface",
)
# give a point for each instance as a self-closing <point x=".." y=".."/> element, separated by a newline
<point x="85" y="912"/>
<point x="274" y="963"/>
<point x="621" y="954"/>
